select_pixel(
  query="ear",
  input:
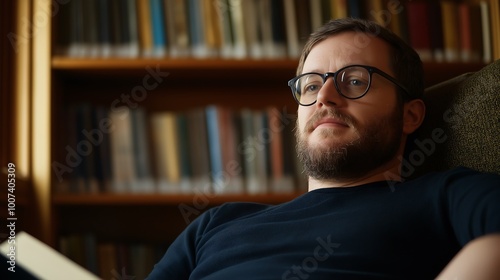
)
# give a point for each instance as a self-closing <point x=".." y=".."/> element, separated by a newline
<point x="413" y="115"/>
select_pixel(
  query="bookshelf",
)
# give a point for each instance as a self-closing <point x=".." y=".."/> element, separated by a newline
<point x="61" y="79"/>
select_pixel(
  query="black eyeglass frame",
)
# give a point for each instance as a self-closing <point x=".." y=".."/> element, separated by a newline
<point x="370" y="69"/>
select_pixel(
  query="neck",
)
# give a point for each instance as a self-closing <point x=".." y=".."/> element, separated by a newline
<point x="388" y="172"/>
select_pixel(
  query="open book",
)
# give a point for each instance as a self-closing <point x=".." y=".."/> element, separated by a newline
<point x="25" y="257"/>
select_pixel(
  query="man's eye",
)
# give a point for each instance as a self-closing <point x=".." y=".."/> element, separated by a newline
<point x="355" y="82"/>
<point x="311" y="88"/>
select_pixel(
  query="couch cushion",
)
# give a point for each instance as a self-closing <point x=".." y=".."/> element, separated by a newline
<point x="462" y="125"/>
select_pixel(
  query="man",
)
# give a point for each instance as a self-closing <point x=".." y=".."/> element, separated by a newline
<point x="359" y="90"/>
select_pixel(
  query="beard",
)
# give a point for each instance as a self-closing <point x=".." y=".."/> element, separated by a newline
<point x="377" y="143"/>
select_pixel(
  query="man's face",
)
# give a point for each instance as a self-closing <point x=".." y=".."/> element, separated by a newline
<point x="340" y="138"/>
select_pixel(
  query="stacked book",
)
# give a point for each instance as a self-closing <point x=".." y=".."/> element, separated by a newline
<point x="213" y="149"/>
<point x="440" y="30"/>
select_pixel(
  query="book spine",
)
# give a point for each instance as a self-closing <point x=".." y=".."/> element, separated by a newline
<point x="158" y="25"/>
<point x="450" y="31"/>
<point x="215" y="150"/>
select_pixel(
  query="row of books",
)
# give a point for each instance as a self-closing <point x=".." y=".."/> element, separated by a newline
<point x="111" y="260"/>
<point x="452" y="31"/>
<point x="439" y="30"/>
<point x="213" y="149"/>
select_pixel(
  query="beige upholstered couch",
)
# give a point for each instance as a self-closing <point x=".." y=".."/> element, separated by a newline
<point x="462" y="125"/>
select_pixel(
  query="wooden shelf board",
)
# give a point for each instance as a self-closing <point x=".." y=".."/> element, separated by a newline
<point x="260" y="69"/>
<point x="67" y="63"/>
<point x="166" y="199"/>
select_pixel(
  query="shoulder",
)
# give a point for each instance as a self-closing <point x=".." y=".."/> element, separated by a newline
<point x="460" y="176"/>
<point x="458" y="186"/>
<point x="467" y="199"/>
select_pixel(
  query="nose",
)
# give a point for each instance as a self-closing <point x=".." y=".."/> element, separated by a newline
<point x="328" y="95"/>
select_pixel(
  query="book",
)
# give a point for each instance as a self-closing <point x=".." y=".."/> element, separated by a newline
<point x="485" y="27"/>
<point x="76" y="182"/>
<point x="238" y="28"/>
<point x="144" y="182"/>
<point x="230" y="137"/>
<point x="451" y="43"/>
<point x="465" y="32"/>
<point x="122" y="151"/>
<point x="252" y="22"/>
<point x="495" y="27"/>
<point x="279" y="46"/>
<point x="211" y="27"/>
<point x="354" y="8"/>
<point x="90" y="27"/>
<point x="158" y="26"/>
<point x="39" y="261"/>
<point x="436" y="31"/>
<point x="106" y="257"/>
<point x="264" y="28"/>
<point x="303" y="15"/>
<point x="177" y="28"/>
<point x="338" y="9"/>
<point x="399" y="22"/>
<point x="215" y="149"/>
<point x="316" y="14"/>
<point x="374" y="10"/>
<point x="292" y="37"/>
<point x="104" y="150"/>
<point x="249" y="156"/>
<point x="476" y="33"/>
<point x="76" y="47"/>
<point x="419" y="30"/>
<point x="145" y="27"/>
<point x="164" y="126"/>
<point x="196" y="34"/>
<point x="184" y="153"/>
<point x="226" y="26"/>
<point x="260" y="134"/>
<point x="104" y="30"/>
<point x="90" y="138"/>
<point x="199" y="156"/>
<point x="130" y="11"/>
<point x="119" y="35"/>
<point x="280" y="181"/>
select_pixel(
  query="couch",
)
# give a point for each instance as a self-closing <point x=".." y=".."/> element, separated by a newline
<point x="461" y="127"/>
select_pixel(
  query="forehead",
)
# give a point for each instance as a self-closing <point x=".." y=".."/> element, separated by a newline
<point x="348" y="48"/>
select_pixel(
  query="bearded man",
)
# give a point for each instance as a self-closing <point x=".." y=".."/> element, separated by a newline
<point x="359" y="88"/>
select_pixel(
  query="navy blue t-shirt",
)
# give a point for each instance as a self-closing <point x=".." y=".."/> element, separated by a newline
<point x="409" y="230"/>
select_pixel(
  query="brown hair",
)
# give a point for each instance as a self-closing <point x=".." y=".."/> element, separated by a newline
<point x="405" y="61"/>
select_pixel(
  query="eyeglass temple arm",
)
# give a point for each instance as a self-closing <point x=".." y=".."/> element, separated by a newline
<point x="394" y="81"/>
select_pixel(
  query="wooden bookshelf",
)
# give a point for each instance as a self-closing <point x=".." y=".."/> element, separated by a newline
<point x="167" y="199"/>
<point x="57" y="81"/>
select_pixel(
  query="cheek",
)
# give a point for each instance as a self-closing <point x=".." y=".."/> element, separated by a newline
<point x="303" y="115"/>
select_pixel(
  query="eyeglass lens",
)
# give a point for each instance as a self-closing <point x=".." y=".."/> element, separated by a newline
<point x="352" y="82"/>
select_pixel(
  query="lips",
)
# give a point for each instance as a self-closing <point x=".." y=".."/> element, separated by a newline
<point x="330" y="122"/>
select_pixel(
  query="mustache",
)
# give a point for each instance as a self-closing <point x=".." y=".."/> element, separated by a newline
<point x="329" y="113"/>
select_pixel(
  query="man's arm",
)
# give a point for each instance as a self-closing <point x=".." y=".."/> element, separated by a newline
<point x="479" y="259"/>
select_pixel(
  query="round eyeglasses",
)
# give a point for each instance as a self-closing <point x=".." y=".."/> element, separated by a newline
<point x="351" y="82"/>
